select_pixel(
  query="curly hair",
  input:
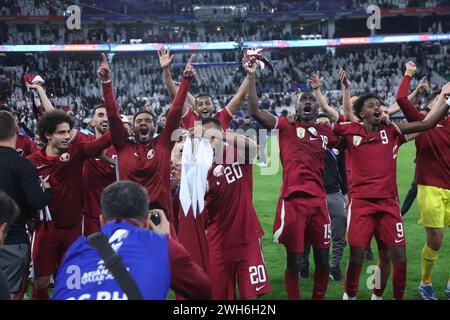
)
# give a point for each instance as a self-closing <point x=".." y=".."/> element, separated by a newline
<point x="50" y="120"/>
<point x="359" y="103"/>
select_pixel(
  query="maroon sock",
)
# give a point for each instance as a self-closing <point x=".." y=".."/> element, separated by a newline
<point x="351" y="281"/>
<point x="399" y="280"/>
<point x="320" y="283"/>
<point x="291" y="282"/>
<point x="40" y="294"/>
<point x="378" y="292"/>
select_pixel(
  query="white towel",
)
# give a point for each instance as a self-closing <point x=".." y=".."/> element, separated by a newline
<point x="196" y="161"/>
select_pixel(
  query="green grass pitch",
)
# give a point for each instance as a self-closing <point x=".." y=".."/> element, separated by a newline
<point x="265" y="196"/>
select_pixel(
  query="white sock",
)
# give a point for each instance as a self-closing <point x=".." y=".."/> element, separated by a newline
<point x="346" y="297"/>
<point x="448" y="285"/>
<point x="375" y="297"/>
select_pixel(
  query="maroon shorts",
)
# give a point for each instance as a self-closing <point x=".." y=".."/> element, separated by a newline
<point x="375" y="217"/>
<point x="246" y="263"/>
<point x="49" y="246"/>
<point x="90" y="225"/>
<point x="301" y="218"/>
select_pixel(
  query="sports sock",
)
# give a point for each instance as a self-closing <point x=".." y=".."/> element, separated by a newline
<point x="399" y="280"/>
<point x="320" y="283"/>
<point x="291" y="283"/>
<point x="429" y="257"/>
<point x="351" y="281"/>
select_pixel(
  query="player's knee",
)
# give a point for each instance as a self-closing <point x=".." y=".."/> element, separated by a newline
<point x="357" y="256"/>
<point x="41" y="283"/>
<point x="294" y="262"/>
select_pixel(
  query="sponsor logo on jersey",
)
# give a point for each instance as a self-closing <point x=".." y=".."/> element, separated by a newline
<point x="64" y="157"/>
<point x="357" y="140"/>
<point x="301" y="132"/>
<point x="313" y="131"/>
<point x="150" y="154"/>
<point x="218" y="171"/>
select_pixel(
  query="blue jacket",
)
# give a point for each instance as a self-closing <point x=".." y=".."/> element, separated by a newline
<point x="82" y="275"/>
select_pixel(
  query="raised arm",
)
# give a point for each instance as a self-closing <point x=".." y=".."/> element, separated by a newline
<point x="175" y="111"/>
<point x="46" y="103"/>
<point x="315" y="81"/>
<point x="246" y="147"/>
<point x="119" y="133"/>
<point x="346" y="103"/>
<point x="266" y="119"/>
<point x="236" y="101"/>
<point x="439" y="111"/>
<point x="165" y="60"/>
<point x="409" y="110"/>
<point x="423" y="86"/>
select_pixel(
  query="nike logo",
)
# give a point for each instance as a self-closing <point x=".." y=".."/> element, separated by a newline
<point x="439" y="126"/>
<point x="136" y="155"/>
<point x="398" y="240"/>
<point x="40" y="167"/>
<point x="312" y="139"/>
<point x="218" y="183"/>
<point x="259" y="288"/>
<point x="327" y="242"/>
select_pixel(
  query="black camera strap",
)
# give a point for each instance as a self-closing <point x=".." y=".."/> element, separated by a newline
<point x="114" y="264"/>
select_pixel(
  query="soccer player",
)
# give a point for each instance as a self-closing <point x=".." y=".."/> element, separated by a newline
<point x="146" y="160"/>
<point x="432" y="177"/>
<point x="202" y="104"/>
<point x="374" y="210"/>
<point x="233" y="228"/>
<point x="302" y="210"/>
<point x="97" y="175"/>
<point x="62" y="162"/>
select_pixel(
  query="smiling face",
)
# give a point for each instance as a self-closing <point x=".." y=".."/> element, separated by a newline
<point x="100" y="120"/>
<point x="306" y="107"/>
<point x="371" y="112"/>
<point x="60" y="138"/>
<point x="204" y="106"/>
<point x="143" y="128"/>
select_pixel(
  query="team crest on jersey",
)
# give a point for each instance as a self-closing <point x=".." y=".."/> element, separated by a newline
<point x="19" y="151"/>
<point x="150" y="154"/>
<point x="218" y="171"/>
<point x="301" y="132"/>
<point x="357" y="140"/>
<point x="64" y="157"/>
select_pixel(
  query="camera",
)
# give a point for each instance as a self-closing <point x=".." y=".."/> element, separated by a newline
<point x="154" y="216"/>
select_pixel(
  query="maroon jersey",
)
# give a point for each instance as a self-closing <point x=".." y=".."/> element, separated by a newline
<point x="433" y="146"/>
<point x="65" y="172"/>
<point x="373" y="158"/>
<point x="25" y="146"/>
<point x="97" y="175"/>
<point x="232" y="220"/>
<point x="302" y="153"/>
<point x="189" y="118"/>
<point x="148" y="165"/>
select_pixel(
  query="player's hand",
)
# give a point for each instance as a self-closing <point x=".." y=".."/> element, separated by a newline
<point x="423" y="86"/>
<point x="344" y="79"/>
<point x="44" y="182"/>
<point x="103" y="72"/>
<point x="165" y="59"/>
<point x="175" y="175"/>
<point x="411" y="68"/>
<point x="249" y="66"/>
<point x="315" y="81"/>
<point x="446" y="89"/>
<point x="33" y="86"/>
<point x="189" y="71"/>
<point x="163" y="227"/>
